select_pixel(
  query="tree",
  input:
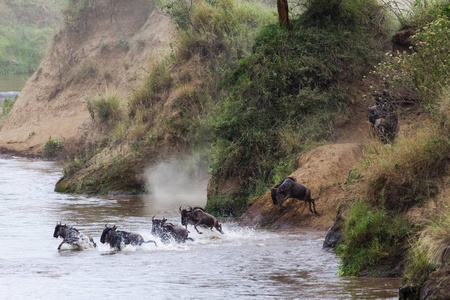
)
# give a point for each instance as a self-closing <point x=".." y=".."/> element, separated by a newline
<point x="283" y="13"/>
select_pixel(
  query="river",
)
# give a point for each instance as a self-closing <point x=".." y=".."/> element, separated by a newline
<point x="241" y="264"/>
<point x="14" y="83"/>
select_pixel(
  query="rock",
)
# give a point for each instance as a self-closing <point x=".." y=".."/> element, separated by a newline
<point x="437" y="286"/>
<point x="334" y="235"/>
<point x="408" y="293"/>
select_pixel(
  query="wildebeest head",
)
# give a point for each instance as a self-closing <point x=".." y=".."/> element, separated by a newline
<point x="157" y="225"/>
<point x="59" y="230"/>
<point x="183" y="213"/>
<point x="107" y="233"/>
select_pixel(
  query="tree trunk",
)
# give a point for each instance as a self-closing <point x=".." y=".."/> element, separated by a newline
<point x="283" y="13"/>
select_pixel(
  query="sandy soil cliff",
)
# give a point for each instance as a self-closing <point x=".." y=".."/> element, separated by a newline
<point x="110" y="52"/>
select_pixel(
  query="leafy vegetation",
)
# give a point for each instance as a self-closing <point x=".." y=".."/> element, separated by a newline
<point x="107" y="106"/>
<point x="426" y="251"/>
<point x="8" y="105"/>
<point x="52" y="147"/>
<point x="168" y="113"/>
<point x="26" y="28"/>
<point x="285" y="95"/>
<point x="370" y="234"/>
<point x="405" y="174"/>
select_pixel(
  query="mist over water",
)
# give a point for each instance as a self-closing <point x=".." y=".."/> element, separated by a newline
<point x="179" y="182"/>
<point x="243" y="263"/>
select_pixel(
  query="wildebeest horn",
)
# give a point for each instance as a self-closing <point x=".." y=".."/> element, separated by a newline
<point x="153" y="218"/>
<point x="179" y="209"/>
<point x="190" y="208"/>
<point x="114" y="227"/>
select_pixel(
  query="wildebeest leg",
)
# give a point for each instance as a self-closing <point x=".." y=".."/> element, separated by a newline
<point x="195" y="226"/>
<point x="314" y="206"/>
<point x="92" y="240"/>
<point x="151" y="241"/>
<point x="59" y="247"/>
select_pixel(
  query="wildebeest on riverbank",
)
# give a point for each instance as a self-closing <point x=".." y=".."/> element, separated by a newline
<point x="290" y="188"/>
<point x="117" y="239"/>
<point x="73" y="237"/>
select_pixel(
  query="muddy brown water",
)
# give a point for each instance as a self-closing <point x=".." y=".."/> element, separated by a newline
<point x="241" y="264"/>
<point x="13" y="82"/>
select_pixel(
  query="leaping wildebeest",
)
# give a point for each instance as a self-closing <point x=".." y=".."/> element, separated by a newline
<point x="290" y="188"/>
<point x="197" y="216"/>
<point x="117" y="239"/>
<point x="165" y="231"/>
<point x="73" y="237"/>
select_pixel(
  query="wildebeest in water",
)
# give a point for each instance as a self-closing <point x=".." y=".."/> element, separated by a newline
<point x="73" y="237"/>
<point x="165" y="231"/>
<point x="197" y="216"/>
<point x="290" y="188"/>
<point x="117" y="239"/>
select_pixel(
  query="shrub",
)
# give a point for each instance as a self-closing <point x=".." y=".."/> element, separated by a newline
<point x="107" y="107"/>
<point x="8" y="105"/>
<point x="427" y="70"/>
<point x="369" y="236"/>
<point x="52" y="147"/>
<point x="426" y="252"/>
<point x="400" y="176"/>
<point x="285" y="95"/>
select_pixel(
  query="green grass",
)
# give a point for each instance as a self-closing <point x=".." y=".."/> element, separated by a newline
<point x="370" y="235"/>
<point x="426" y="250"/>
<point x="52" y="147"/>
<point x="190" y="75"/>
<point x="285" y="95"/>
<point x="26" y="28"/>
<point x="408" y="172"/>
<point x="8" y="105"/>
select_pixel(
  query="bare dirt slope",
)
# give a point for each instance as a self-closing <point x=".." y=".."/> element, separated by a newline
<point x="323" y="170"/>
<point x="109" y="51"/>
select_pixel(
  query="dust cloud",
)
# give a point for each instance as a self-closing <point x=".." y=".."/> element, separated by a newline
<point x="180" y="181"/>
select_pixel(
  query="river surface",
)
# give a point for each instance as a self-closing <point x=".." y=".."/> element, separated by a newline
<point x="241" y="264"/>
<point x="13" y="83"/>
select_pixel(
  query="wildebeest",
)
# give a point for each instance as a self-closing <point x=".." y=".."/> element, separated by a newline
<point x="197" y="216"/>
<point x="165" y="231"/>
<point x="117" y="239"/>
<point x="73" y="237"/>
<point x="183" y="213"/>
<point x="290" y="188"/>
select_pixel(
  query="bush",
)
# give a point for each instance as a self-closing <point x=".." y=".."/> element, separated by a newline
<point x="52" y="147"/>
<point x="426" y="252"/>
<point x="107" y="107"/>
<point x="8" y="105"/>
<point x="369" y="236"/>
<point x="285" y="95"/>
<point x="400" y="176"/>
<point x="427" y="70"/>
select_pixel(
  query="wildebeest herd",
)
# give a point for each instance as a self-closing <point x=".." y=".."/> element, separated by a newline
<point x="166" y="231"/>
<point x="118" y="239"/>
